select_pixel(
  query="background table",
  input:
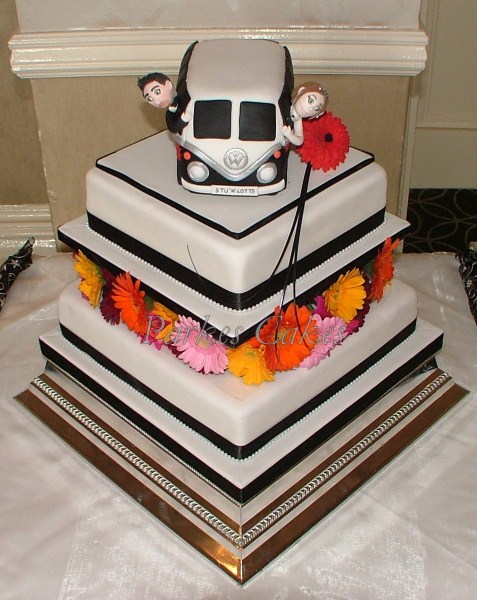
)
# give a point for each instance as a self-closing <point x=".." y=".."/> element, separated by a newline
<point x="67" y="533"/>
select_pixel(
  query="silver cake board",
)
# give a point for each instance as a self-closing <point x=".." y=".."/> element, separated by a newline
<point x="240" y="539"/>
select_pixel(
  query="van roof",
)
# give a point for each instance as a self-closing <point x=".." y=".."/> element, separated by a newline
<point x="237" y="70"/>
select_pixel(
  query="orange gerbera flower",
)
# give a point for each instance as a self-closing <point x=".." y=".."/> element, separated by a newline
<point x="288" y="338"/>
<point x="346" y="296"/>
<point x="383" y="270"/>
<point x="130" y="301"/>
<point x="248" y="362"/>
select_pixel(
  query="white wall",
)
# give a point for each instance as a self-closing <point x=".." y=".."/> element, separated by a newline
<point x="67" y="15"/>
<point x="445" y="152"/>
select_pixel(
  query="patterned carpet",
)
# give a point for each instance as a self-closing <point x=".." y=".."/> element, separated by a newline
<point x="441" y="220"/>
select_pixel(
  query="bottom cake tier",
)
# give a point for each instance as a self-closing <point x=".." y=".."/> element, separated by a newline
<point x="242" y="513"/>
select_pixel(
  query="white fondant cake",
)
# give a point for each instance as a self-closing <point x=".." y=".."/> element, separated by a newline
<point x="230" y="354"/>
<point x="238" y="437"/>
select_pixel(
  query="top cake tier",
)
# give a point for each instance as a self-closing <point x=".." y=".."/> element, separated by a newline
<point x="233" y="250"/>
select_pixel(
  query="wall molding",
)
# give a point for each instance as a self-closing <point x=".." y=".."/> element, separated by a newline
<point x="19" y="222"/>
<point x="427" y="116"/>
<point x="132" y="52"/>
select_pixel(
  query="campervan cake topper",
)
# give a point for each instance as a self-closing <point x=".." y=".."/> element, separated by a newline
<point x="227" y="120"/>
<point x="233" y="127"/>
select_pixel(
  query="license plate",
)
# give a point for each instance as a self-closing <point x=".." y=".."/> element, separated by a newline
<point x="234" y="190"/>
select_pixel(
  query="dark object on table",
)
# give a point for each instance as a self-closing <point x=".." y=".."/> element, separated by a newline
<point x="468" y="272"/>
<point x="13" y="266"/>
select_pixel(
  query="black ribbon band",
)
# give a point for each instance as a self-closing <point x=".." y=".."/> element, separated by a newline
<point x="237" y="301"/>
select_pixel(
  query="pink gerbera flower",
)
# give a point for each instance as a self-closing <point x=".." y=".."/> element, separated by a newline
<point x="197" y="348"/>
<point x="331" y="332"/>
<point x="321" y="309"/>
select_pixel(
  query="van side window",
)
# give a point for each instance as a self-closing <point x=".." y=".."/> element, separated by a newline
<point x="212" y="119"/>
<point x="258" y="122"/>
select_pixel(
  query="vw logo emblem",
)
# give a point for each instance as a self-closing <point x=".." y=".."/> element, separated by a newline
<point x="235" y="159"/>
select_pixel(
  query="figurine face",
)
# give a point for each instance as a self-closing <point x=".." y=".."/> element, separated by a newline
<point x="309" y="105"/>
<point x="160" y="95"/>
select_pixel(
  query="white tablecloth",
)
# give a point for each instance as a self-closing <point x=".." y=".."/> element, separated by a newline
<point x="68" y="533"/>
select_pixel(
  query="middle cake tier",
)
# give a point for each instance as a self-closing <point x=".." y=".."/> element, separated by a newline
<point x="231" y="325"/>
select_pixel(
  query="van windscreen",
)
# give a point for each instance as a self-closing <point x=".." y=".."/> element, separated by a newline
<point x="257" y="122"/>
<point x="212" y="119"/>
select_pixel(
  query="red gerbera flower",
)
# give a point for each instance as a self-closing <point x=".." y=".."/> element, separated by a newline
<point x="288" y="338"/>
<point x="383" y="270"/>
<point x="325" y="143"/>
<point x="110" y="313"/>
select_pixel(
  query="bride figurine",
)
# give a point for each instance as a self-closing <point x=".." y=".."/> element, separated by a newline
<point x="309" y="102"/>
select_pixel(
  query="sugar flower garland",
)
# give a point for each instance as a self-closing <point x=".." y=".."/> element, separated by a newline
<point x="293" y="337"/>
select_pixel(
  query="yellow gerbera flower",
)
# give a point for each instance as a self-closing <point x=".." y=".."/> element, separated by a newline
<point x="92" y="282"/>
<point x="249" y="363"/>
<point x="346" y="296"/>
<point x="169" y="317"/>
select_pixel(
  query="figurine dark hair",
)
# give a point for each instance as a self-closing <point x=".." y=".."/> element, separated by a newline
<point x="159" y="77"/>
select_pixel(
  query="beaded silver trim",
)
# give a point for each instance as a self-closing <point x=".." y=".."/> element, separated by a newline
<point x="233" y="536"/>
